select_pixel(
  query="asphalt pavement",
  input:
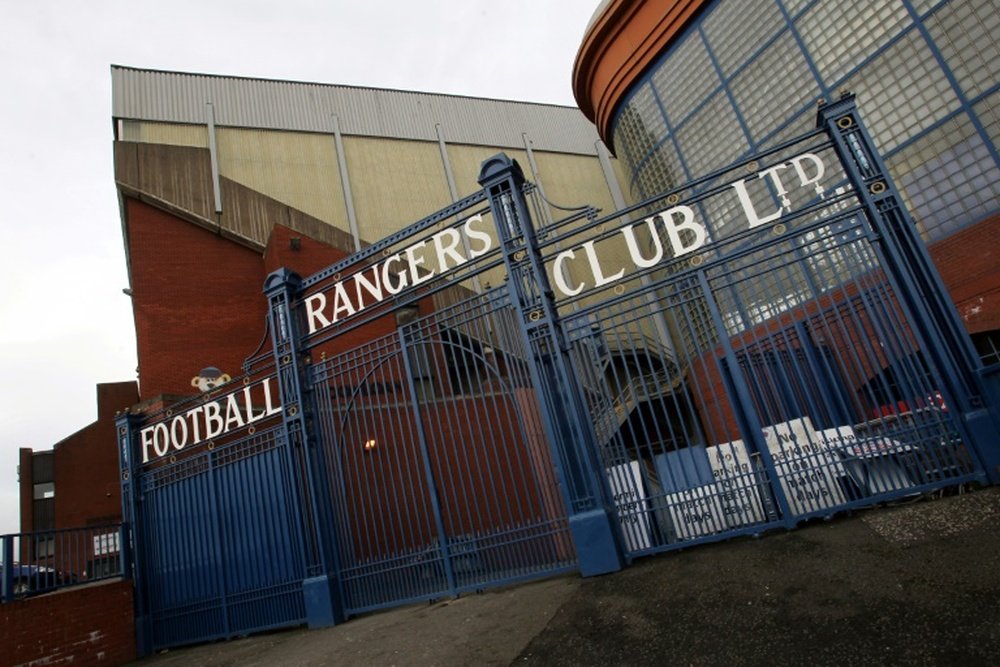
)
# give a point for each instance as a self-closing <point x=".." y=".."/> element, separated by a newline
<point x="916" y="583"/>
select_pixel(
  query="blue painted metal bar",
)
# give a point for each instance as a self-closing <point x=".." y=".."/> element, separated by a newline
<point x="432" y="490"/>
<point x="45" y="561"/>
<point x="8" y="570"/>
<point x="216" y="536"/>
<point x="568" y="430"/>
<point x="126" y="427"/>
<point x="322" y="604"/>
<point x="746" y="415"/>
<point x="907" y="261"/>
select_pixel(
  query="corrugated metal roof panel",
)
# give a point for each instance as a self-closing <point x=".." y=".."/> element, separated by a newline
<point x="177" y="97"/>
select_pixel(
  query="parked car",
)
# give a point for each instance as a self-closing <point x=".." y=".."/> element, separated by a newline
<point x="32" y="578"/>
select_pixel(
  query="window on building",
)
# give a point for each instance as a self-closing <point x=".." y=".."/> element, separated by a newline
<point x="44" y="490"/>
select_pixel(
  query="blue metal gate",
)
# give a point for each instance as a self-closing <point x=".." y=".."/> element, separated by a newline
<point x="442" y="478"/>
<point x="217" y="521"/>
<point x="754" y="349"/>
<point x="477" y="400"/>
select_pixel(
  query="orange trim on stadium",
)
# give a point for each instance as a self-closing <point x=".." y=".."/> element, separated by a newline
<point x="621" y="42"/>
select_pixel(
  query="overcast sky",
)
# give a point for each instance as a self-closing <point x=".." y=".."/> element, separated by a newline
<point x="65" y="323"/>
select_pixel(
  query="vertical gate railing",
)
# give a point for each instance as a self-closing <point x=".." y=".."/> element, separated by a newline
<point x="211" y="500"/>
<point x="133" y="531"/>
<point x="800" y="372"/>
<point x="441" y="480"/>
<point x="321" y="593"/>
<point x="440" y="475"/>
<point x="567" y="425"/>
<point x="922" y="290"/>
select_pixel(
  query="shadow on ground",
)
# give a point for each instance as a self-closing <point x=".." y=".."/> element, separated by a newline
<point x="917" y="583"/>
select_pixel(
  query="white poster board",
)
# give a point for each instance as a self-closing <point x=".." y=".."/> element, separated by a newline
<point x="732" y="501"/>
<point x="808" y="468"/>
<point x="696" y="512"/>
<point x="738" y="492"/>
<point x="630" y="501"/>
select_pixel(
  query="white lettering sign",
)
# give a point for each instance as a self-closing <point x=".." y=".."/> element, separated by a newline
<point x="695" y="512"/>
<point x="808" y="468"/>
<point x="671" y="233"/>
<point x="207" y="421"/>
<point x="732" y="501"/>
<point x="682" y="232"/>
<point x="404" y="269"/>
<point x="630" y="501"/>
<point x="734" y="474"/>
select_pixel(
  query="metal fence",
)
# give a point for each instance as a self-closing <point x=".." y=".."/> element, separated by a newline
<point x="442" y="480"/>
<point x="216" y="515"/>
<point x="47" y="560"/>
<point x="480" y="398"/>
<point x="771" y="376"/>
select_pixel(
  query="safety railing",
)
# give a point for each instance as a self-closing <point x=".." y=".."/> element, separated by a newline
<point x="47" y="560"/>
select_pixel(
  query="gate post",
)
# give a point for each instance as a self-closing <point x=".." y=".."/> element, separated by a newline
<point x="321" y="594"/>
<point x="567" y="428"/>
<point x="7" y="584"/>
<point x="130" y="547"/>
<point x="922" y="291"/>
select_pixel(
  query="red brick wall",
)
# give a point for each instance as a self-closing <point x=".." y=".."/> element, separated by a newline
<point x="489" y="466"/>
<point x="85" y="467"/>
<point x="196" y="299"/>
<point x="88" y="625"/>
<point x="969" y="264"/>
<point x="86" y="464"/>
<point x="310" y="256"/>
<point x="708" y="392"/>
